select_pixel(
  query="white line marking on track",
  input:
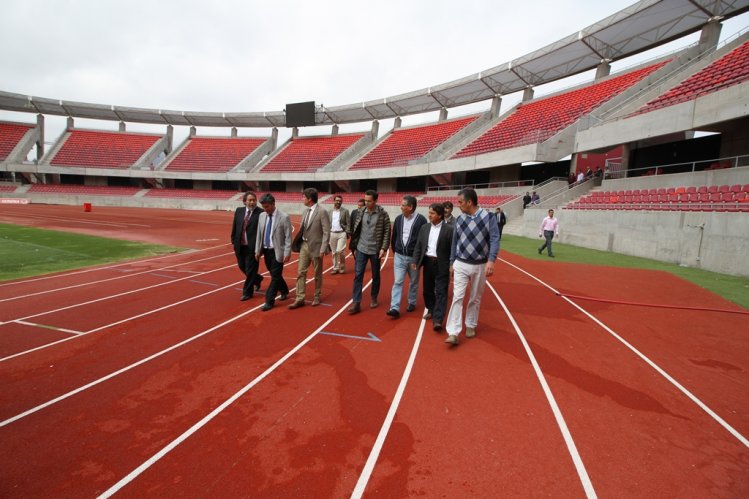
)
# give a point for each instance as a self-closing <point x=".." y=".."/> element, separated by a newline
<point x="94" y="269"/>
<point x="45" y="326"/>
<point x="741" y="438"/>
<point x="366" y="473"/>
<point x="165" y="307"/>
<point x="124" y="293"/>
<point x="197" y="426"/>
<point x="582" y="473"/>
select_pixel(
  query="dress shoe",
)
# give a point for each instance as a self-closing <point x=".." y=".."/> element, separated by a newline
<point x="428" y="315"/>
<point x="316" y="302"/>
<point x="266" y="307"/>
<point x="552" y="256"/>
<point x="296" y="304"/>
<point x="283" y="296"/>
<point x="334" y="271"/>
<point x="245" y="298"/>
<point x="393" y="313"/>
<point x="437" y="327"/>
<point x="410" y="308"/>
<point x="470" y="332"/>
<point x="341" y="271"/>
<point x="373" y="304"/>
<point x="355" y="309"/>
<point x="452" y="339"/>
<point x="539" y="252"/>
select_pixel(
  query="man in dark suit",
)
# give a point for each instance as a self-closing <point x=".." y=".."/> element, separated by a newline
<point x="432" y="251"/>
<point x="312" y="238"/>
<point x="243" y="235"/>
<point x="273" y="243"/>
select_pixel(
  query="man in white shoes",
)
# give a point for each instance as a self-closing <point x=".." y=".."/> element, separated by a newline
<point x="474" y="249"/>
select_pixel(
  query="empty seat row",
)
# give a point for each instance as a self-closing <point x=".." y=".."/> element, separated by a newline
<point x="408" y="144"/>
<point x="214" y="154"/>
<point x="710" y="198"/>
<point x="97" y="149"/>
<point x="308" y="154"/>
<point x="729" y="70"/>
<point x="10" y="135"/>
<point x="95" y="190"/>
<point x="538" y="120"/>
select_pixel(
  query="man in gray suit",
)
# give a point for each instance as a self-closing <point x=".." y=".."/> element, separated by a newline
<point x="274" y="244"/>
<point x="312" y="239"/>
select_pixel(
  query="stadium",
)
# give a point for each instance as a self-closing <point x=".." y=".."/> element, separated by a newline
<point x="149" y="378"/>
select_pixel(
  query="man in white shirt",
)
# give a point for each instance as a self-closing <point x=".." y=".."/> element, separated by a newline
<point x="549" y="228"/>
<point x="339" y="228"/>
<point x="405" y="229"/>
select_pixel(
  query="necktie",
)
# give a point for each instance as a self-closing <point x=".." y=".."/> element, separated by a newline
<point x="304" y="222"/>
<point x="244" y="227"/>
<point x="268" y="231"/>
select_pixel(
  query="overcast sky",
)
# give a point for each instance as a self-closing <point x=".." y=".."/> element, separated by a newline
<point x="240" y="56"/>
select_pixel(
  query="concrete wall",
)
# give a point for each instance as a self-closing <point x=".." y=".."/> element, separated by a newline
<point x="675" y="237"/>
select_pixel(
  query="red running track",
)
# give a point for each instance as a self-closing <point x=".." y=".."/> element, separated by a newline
<point x="178" y="389"/>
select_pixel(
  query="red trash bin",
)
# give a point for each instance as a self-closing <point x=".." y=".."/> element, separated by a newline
<point x="86" y="206"/>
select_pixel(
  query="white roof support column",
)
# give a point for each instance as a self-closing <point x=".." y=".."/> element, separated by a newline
<point x="169" y="139"/>
<point x="193" y="132"/>
<point x="234" y="132"/>
<point x="122" y="127"/>
<point x="496" y="106"/>
<point x="710" y="34"/>
<point x="527" y="94"/>
<point x="295" y="132"/>
<point x="71" y="123"/>
<point x="397" y="122"/>
<point x="443" y="114"/>
<point x="273" y="139"/>
<point x="375" y="129"/>
<point x="603" y="69"/>
<point x="335" y="130"/>
<point x="40" y="137"/>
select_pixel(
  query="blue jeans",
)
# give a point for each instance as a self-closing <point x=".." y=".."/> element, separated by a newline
<point x="361" y="260"/>
<point x="401" y="267"/>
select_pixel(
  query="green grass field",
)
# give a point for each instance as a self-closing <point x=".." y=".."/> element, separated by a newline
<point x="27" y="251"/>
<point x="735" y="289"/>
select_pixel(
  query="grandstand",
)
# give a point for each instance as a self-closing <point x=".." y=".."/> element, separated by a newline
<point x="658" y="104"/>
<point x="213" y="154"/>
<point x="97" y="149"/>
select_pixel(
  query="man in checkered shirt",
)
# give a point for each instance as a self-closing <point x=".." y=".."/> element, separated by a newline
<point x="474" y="250"/>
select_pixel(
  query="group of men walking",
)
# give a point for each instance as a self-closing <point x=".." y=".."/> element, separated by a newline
<point x="465" y="246"/>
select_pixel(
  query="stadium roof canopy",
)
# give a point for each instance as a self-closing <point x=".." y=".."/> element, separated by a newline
<point x="639" y="27"/>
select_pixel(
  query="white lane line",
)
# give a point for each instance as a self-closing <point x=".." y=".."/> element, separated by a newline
<point x="108" y="267"/>
<point x="197" y="426"/>
<point x="131" y="366"/>
<point x="366" y="473"/>
<point x="741" y="438"/>
<point x="54" y="328"/>
<point x="106" y="326"/>
<point x="72" y="286"/>
<point x="124" y="293"/>
<point x="582" y="473"/>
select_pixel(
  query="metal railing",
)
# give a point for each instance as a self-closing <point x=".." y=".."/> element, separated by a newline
<point x="489" y="185"/>
<point x="614" y="170"/>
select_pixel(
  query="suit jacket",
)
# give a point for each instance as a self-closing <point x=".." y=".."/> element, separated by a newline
<point x="236" y="228"/>
<point x="444" y="246"/>
<point x="280" y="234"/>
<point x="317" y="232"/>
